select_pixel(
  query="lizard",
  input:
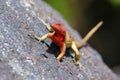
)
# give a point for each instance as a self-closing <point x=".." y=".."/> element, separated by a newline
<point x="61" y="37"/>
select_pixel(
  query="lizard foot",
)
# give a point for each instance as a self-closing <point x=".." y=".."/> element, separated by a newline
<point x="58" y="61"/>
<point x="38" y="38"/>
<point x="78" y="63"/>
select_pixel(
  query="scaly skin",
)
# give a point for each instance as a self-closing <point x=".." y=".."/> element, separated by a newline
<point x="63" y="39"/>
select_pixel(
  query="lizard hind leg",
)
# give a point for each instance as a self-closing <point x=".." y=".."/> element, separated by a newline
<point x="77" y="54"/>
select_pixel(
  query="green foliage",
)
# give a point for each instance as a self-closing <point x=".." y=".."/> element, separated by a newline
<point x="64" y="7"/>
<point x="115" y="2"/>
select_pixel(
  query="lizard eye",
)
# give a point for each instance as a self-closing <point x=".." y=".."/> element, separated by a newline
<point x="59" y="24"/>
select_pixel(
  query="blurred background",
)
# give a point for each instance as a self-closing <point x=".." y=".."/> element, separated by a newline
<point x="82" y="15"/>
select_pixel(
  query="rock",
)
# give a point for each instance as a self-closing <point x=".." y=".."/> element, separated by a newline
<point x="24" y="58"/>
<point x="116" y="69"/>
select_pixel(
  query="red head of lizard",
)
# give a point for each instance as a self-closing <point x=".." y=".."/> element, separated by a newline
<point x="60" y="34"/>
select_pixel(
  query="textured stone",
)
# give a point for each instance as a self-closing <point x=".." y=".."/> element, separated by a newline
<point x="24" y="58"/>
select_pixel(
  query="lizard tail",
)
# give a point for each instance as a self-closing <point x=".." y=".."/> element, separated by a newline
<point x="89" y="34"/>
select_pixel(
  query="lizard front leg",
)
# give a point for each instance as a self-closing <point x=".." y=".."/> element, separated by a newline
<point x="43" y="37"/>
<point x="77" y="54"/>
<point x="62" y="53"/>
<point x="46" y="25"/>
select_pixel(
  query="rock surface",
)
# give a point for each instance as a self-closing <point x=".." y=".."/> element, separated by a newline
<point x="24" y="58"/>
